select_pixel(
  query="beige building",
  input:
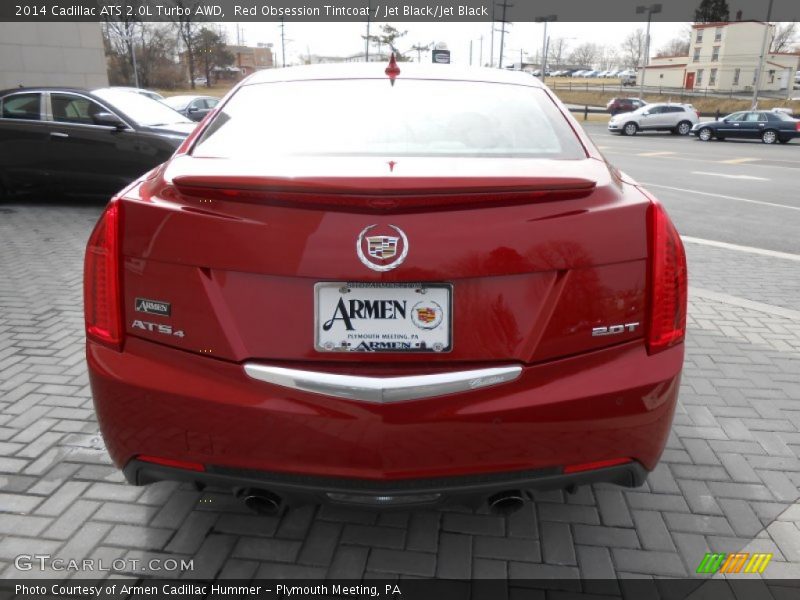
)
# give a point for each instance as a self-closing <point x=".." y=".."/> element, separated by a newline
<point x="61" y="54"/>
<point x="724" y="57"/>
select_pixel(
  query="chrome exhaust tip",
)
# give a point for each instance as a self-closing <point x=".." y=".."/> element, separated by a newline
<point x="506" y="503"/>
<point x="260" y="501"/>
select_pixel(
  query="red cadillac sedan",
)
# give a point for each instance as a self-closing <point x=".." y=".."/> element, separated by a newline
<point x="384" y="286"/>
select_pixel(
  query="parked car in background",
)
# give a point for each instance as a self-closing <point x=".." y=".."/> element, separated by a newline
<point x="76" y="141"/>
<point x="767" y="126"/>
<point x="334" y="328"/>
<point x="621" y="105"/>
<point x="628" y="79"/>
<point x="677" y="118"/>
<point x="147" y="93"/>
<point x="200" y="81"/>
<point x="192" y="107"/>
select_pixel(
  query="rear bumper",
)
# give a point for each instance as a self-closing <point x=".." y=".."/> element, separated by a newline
<point x="157" y="401"/>
<point x="297" y="490"/>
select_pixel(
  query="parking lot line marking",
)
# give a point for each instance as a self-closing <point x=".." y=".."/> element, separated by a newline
<point x="730" y="176"/>
<point x="770" y="309"/>
<point x="663" y="153"/>
<point x="723" y="196"/>
<point x="737" y="161"/>
<point x="738" y="248"/>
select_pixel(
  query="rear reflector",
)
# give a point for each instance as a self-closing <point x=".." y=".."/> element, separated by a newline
<point x="101" y="287"/>
<point x="668" y="282"/>
<point x="598" y="464"/>
<point x="171" y="462"/>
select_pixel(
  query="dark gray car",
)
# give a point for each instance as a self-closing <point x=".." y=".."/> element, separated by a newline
<point x="192" y="107"/>
<point x="80" y="142"/>
<point x="767" y="126"/>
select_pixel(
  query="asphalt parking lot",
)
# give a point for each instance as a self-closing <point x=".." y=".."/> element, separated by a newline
<point x="728" y="480"/>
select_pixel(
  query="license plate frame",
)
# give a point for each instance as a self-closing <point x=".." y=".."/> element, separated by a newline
<point x="415" y="335"/>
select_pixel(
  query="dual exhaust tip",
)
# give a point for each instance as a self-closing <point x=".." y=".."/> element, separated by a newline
<point x="267" y="503"/>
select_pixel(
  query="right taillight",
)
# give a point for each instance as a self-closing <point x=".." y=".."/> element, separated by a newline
<point x="668" y="282"/>
<point x="101" y="281"/>
<point x="797" y="126"/>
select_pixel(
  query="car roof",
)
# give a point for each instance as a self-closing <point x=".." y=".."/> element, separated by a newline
<point x="375" y="70"/>
<point x="43" y="88"/>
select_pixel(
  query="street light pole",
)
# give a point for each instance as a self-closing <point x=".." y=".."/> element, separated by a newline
<point x="650" y="10"/>
<point x="133" y="57"/>
<point x="545" y="20"/>
<point x="760" y="68"/>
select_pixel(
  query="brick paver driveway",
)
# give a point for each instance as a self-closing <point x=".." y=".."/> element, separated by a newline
<point x="728" y="481"/>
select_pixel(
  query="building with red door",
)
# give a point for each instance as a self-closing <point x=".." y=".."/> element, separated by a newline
<point x="724" y="57"/>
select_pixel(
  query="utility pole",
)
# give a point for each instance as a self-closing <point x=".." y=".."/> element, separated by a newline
<point x="480" y="53"/>
<point x="283" y="43"/>
<point x="650" y="10"/>
<point x="505" y="6"/>
<point x="761" y="57"/>
<point x="366" y="50"/>
<point x="545" y="20"/>
<point x="470" y="53"/>
<point x="491" y="48"/>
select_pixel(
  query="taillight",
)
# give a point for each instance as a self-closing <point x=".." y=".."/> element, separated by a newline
<point x="697" y="112"/>
<point x="101" y="285"/>
<point x="797" y="126"/>
<point x="668" y="282"/>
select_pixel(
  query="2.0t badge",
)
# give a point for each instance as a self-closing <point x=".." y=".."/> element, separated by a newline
<point x="379" y="251"/>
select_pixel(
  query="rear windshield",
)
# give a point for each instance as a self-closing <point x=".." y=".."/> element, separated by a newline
<point x="372" y="117"/>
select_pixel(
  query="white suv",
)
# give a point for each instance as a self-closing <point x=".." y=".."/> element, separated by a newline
<point x="677" y="118"/>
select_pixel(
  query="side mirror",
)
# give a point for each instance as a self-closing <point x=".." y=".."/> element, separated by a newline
<point x="646" y="113"/>
<point x="109" y="120"/>
<point x="193" y="109"/>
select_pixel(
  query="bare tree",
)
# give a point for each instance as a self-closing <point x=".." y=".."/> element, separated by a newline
<point x="609" y="57"/>
<point x="675" y="47"/>
<point x="557" y="51"/>
<point x="186" y="24"/>
<point x="784" y="37"/>
<point x="118" y="37"/>
<point x="585" y="55"/>
<point x="632" y="49"/>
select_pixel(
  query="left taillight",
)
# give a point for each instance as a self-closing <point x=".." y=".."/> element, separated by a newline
<point x="101" y="279"/>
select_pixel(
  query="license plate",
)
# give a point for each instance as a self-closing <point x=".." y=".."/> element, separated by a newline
<point x="383" y="317"/>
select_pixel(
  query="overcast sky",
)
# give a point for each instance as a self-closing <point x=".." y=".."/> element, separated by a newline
<point x="340" y="39"/>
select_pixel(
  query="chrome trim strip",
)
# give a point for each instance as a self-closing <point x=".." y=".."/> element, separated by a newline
<point x="383" y="389"/>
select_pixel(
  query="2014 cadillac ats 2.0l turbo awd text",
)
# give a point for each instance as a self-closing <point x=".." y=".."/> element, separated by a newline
<point x="387" y="287"/>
